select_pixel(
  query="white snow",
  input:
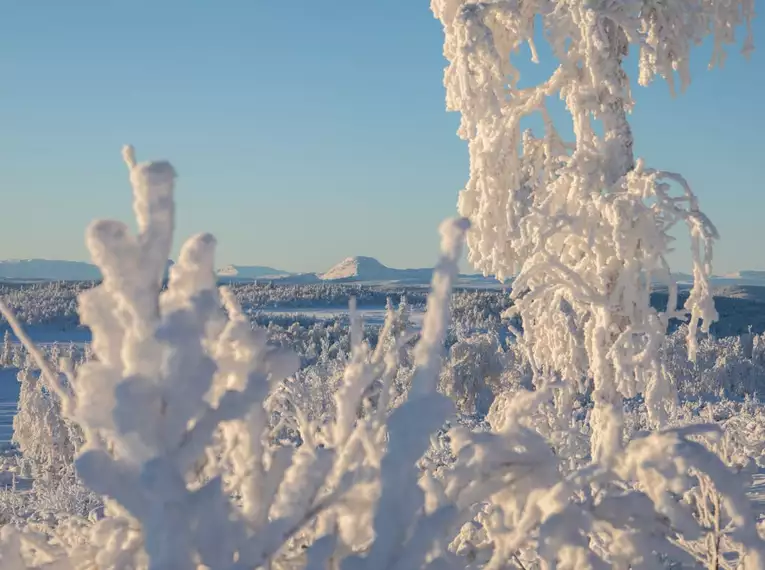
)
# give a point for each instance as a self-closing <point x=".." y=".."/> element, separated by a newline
<point x="360" y="268"/>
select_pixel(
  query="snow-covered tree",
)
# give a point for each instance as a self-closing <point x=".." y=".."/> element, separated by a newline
<point x="584" y="225"/>
<point x="44" y="436"/>
<point x="6" y="355"/>
<point x="54" y="355"/>
<point x="472" y="371"/>
<point x="17" y="356"/>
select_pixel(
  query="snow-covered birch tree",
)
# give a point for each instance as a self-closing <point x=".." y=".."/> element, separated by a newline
<point x="583" y="225"/>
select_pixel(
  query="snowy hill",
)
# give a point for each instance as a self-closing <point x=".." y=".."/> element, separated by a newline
<point x="356" y="268"/>
<point x="362" y="268"/>
<point x="250" y="272"/>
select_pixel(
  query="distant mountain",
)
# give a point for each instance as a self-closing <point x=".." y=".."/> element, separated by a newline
<point x="51" y="270"/>
<point x="48" y="269"/>
<point x="359" y="269"/>
<point x="250" y="272"/>
<point x="737" y="278"/>
<point x="745" y="277"/>
<point x="683" y="277"/>
<point x="362" y="269"/>
<point x="369" y="269"/>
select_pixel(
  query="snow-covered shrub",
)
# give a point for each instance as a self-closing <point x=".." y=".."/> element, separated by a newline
<point x="45" y="438"/>
<point x="480" y="310"/>
<point x="175" y="378"/>
<point x="53" y="304"/>
<point x="472" y="372"/>
<point x="722" y="367"/>
<point x="740" y="447"/>
<point x="310" y="393"/>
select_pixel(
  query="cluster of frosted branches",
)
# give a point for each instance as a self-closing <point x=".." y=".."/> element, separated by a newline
<point x="174" y="410"/>
<point x="177" y="382"/>
<point x="583" y="226"/>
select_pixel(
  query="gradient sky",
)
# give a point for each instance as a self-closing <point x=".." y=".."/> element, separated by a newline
<point x="303" y="132"/>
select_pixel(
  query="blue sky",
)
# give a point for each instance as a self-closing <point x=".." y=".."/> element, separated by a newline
<point x="303" y="132"/>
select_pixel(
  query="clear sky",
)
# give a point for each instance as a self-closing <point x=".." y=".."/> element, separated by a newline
<point x="303" y="131"/>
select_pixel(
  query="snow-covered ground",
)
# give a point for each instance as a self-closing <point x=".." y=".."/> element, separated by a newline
<point x="48" y="334"/>
<point x="374" y="316"/>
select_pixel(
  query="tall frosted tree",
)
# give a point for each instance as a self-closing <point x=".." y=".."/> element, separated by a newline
<point x="584" y="225"/>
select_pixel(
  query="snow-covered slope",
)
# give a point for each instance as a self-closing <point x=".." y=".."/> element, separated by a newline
<point x="250" y="272"/>
<point x="354" y="267"/>
<point x="362" y="268"/>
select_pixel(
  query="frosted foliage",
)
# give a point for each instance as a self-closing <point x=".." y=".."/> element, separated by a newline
<point x="178" y="384"/>
<point x="6" y="356"/>
<point x="474" y="366"/>
<point x="583" y="225"/>
<point x="45" y="438"/>
<point x="182" y="413"/>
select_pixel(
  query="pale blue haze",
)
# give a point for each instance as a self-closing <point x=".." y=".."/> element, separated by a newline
<point x="303" y="131"/>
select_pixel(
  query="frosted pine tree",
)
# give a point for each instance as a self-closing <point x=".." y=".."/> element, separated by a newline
<point x="584" y="224"/>
<point x="55" y="355"/>
<point x="6" y="354"/>
<point x="17" y="356"/>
